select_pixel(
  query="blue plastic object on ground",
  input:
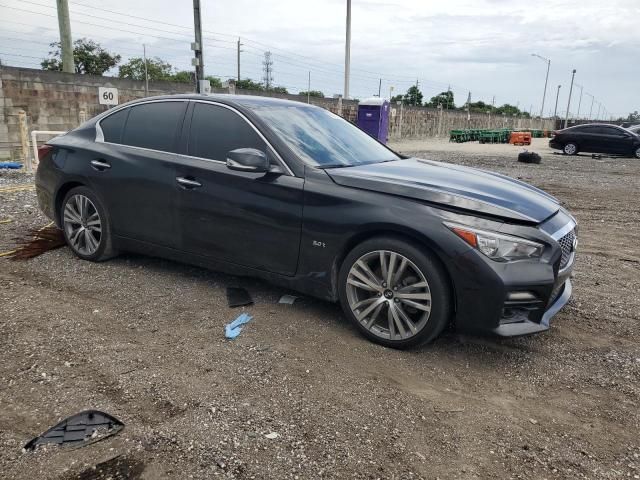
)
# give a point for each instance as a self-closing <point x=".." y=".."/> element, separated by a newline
<point x="13" y="165"/>
<point x="233" y="329"/>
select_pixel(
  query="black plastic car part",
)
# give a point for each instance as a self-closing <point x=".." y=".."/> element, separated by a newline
<point x="238" y="297"/>
<point x="84" y="428"/>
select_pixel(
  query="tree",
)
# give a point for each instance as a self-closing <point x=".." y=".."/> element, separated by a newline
<point x="397" y="98"/>
<point x="508" y="109"/>
<point x="413" y="96"/>
<point x="278" y="90"/>
<point x="214" y="81"/>
<point x="444" y="98"/>
<point x="183" y="76"/>
<point x="248" y="84"/>
<point x="157" y="69"/>
<point x="88" y="56"/>
<point x="312" y="93"/>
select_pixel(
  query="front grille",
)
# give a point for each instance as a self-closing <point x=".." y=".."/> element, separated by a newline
<point x="566" y="244"/>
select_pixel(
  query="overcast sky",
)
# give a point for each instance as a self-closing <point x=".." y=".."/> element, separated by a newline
<point x="482" y="46"/>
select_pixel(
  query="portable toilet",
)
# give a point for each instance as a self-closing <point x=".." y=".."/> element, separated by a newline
<point x="373" y="117"/>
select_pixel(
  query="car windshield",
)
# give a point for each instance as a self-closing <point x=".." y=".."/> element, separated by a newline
<point x="322" y="138"/>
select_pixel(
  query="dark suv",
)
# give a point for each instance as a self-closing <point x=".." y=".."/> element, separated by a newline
<point x="296" y="195"/>
<point x="596" y="138"/>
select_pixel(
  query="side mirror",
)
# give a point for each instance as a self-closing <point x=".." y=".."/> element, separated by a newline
<point x="248" y="160"/>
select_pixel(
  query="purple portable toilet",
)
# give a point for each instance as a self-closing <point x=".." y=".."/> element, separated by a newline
<point x="373" y="117"/>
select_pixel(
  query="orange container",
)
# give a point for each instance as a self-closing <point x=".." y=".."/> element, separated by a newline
<point x="520" y="138"/>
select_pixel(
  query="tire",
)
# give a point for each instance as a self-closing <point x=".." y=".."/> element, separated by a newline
<point x="570" y="148"/>
<point x="83" y="215"/>
<point x="380" y="314"/>
<point x="637" y="153"/>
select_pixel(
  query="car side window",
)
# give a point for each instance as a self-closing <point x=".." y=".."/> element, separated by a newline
<point x="217" y="130"/>
<point x="112" y="126"/>
<point x="154" y="125"/>
<point x="613" y="131"/>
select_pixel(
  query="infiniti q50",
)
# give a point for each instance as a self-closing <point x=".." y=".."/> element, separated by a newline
<point x="294" y="194"/>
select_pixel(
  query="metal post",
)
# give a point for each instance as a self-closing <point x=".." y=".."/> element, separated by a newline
<point x="309" y="89"/>
<point x="546" y="80"/>
<point x="591" y="108"/>
<point x="400" y="126"/>
<point x="555" y="110"/>
<point x="379" y="87"/>
<point x="239" y="45"/>
<point x="66" y="45"/>
<point x="566" y="117"/>
<point x="599" y="107"/>
<point x="347" y="53"/>
<point x="197" y="23"/>
<point x="580" y="102"/>
<point x="146" y="72"/>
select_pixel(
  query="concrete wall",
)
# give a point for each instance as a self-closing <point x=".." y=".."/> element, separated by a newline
<point x="56" y="101"/>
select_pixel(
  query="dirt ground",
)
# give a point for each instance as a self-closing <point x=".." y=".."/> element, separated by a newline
<point x="143" y="339"/>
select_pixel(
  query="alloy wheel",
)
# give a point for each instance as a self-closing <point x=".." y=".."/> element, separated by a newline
<point x="389" y="295"/>
<point x="82" y="225"/>
<point x="570" y="149"/>
<point x="638" y="152"/>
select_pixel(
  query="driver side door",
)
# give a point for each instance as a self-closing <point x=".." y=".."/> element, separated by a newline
<point x="244" y="218"/>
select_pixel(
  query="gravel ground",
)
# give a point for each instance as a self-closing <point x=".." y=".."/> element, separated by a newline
<point x="300" y="394"/>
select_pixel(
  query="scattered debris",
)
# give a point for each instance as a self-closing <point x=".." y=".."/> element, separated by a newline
<point x="238" y="297"/>
<point x="529" y="157"/>
<point x="533" y="421"/>
<point x="39" y="242"/>
<point x="272" y="435"/>
<point x="8" y="220"/>
<point x="233" y="329"/>
<point x="11" y="165"/>
<point x="84" y="428"/>
<point x="288" y="299"/>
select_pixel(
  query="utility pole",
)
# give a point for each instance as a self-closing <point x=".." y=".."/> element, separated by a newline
<point x="591" y="109"/>
<point x="267" y="68"/>
<point x="599" y="107"/>
<point x="239" y="45"/>
<point x="415" y="98"/>
<point x="379" y="87"/>
<point x="347" y="53"/>
<point x="580" y="102"/>
<point x="64" y="24"/>
<point x="309" y="89"/>
<point x="555" y="110"/>
<point x="546" y="80"/>
<point x="566" y="117"/>
<point x="146" y="72"/>
<point x="197" y="46"/>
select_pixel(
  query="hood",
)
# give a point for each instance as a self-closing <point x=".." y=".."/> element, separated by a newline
<point x="453" y="186"/>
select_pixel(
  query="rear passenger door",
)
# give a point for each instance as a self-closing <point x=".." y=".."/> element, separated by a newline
<point x="137" y="176"/>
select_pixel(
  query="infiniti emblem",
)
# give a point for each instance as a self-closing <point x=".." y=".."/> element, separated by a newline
<point x="388" y="294"/>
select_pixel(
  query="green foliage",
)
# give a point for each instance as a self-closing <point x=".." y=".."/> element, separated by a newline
<point x="214" y="81"/>
<point x="278" y="90"/>
<point x="312" y="93"/>
<point x="183" y="76"/>
<point x="157" y="69"/>
<point x="88" y="56"/>
<point x="248" y="84"/>
<point x="444" y="98"/>
<point x="413" y="96"/>
<point x="396" y="98"/>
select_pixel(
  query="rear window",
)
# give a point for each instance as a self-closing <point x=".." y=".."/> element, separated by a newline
<point x="154" y="125"/>
<point x="112" y="126"/>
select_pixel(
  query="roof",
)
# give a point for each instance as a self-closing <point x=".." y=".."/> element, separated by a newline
<point x="244" y="100"/>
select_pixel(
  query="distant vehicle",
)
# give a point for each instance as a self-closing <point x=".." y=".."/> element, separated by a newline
<point x="596" y="138"/>
<point x="294" y="194"/>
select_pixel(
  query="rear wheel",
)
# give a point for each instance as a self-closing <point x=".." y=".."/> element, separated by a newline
<point x="637" y="153"/>
<point x="395" y="293"/>
<point x="570" y="148"/>
<point x="86" y="225"/>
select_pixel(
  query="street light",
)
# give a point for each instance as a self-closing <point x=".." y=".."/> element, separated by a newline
<point x="592" y="99"/>
<point x="566" y="118"/>
<point x="580" y="102"/>
<point x="555" y="110"/>
<point x="544" y="94"/>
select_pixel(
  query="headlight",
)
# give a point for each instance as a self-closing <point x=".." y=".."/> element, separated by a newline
<point x="496" y="245"/>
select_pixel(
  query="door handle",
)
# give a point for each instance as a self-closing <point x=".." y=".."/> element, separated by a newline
<point x="100" y="165"/>
<point x="188" y="183"/>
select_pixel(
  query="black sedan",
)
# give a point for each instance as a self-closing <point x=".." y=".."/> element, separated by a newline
<point x="296" y="195"/>
<point x="597" y="138"/>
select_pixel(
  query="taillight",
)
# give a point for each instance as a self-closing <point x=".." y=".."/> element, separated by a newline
<point x="43" y="151"/>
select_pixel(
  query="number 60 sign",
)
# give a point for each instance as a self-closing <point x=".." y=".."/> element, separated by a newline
<point x="107" y="96"/>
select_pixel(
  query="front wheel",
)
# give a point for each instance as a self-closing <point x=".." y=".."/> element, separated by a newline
<point x="395" y="293"/>
<point x="570" y="149"/>
<point x="637" y="153"/>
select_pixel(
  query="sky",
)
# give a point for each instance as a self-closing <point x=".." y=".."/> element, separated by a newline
<point x="478" y="46"/>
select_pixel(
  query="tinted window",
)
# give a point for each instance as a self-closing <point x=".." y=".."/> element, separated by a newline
<point x="217" y="130"/>
<point x="154" y="125"/>
<point x="321" y="138"/>
<point x="612" y="131"/>
<point x="112" y="126"/>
